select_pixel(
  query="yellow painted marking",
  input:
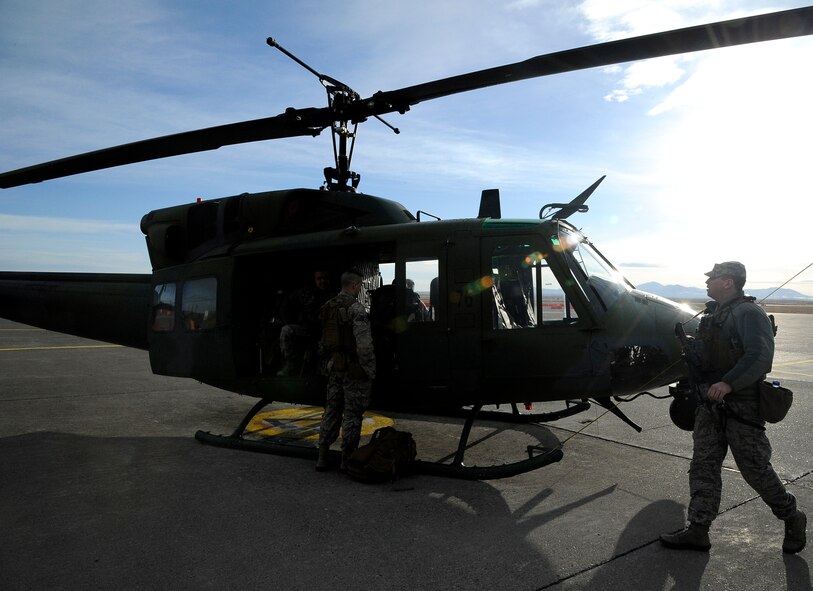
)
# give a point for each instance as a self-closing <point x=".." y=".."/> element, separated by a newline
<point x="303" y="423"/>
<point x="62" y="347"/>
<point x="794" y="373"/>
<point x="793" y="363"/>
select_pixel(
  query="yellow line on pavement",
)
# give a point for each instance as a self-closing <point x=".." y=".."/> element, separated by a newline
<point x="795" y="373"/>
<point x="63" y="347"/>
<point x="793" y="363"/>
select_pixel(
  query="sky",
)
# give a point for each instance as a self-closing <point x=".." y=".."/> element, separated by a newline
<point x="706" y="155"/>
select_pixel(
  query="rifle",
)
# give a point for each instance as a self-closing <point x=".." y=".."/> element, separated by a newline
<point x="692" y="358"/>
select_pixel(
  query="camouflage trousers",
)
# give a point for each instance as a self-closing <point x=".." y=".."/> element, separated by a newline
<point x="715" y="431"/>
<point x="347" y="399"/>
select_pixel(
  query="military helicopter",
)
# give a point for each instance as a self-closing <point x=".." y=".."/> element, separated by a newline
<point x="518" y="310"/>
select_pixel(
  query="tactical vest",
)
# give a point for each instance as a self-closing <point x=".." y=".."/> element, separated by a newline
<point x="337" y="332"/>
<point x="718" y="342"/>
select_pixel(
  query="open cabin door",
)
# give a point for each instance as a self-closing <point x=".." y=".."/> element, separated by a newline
<point x="418" y="329"/>
<point x="533" y="340"/>
<point x="191" y="321"/>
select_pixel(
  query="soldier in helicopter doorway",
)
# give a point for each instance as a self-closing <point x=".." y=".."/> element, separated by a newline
<point x="347" y="339"/>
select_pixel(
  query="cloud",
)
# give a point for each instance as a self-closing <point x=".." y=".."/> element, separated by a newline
<point x="54" y="256"/>
<point x="29" y="223"/>
<point x="609" y="21"/>
<point x="647" y="74"/>
<point x="37" y="243"/>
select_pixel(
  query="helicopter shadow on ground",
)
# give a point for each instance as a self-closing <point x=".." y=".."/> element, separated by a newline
<point x="490" y="442"/>
<point x="99" y="512"/>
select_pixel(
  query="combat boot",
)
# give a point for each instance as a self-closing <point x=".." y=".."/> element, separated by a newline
<point x="323" y="461"/>
<point x="795" y="533"/>
<point x="694" y="537"/>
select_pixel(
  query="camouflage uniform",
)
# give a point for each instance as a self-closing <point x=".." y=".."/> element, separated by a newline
<point x="736" y="345"/>
<point x="351" y="370"/>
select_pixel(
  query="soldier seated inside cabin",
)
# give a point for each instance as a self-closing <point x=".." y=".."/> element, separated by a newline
<point x="415" y="308"/>
<point x="300" y="322"/>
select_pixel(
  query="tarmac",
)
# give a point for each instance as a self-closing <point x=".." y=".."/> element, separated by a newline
<point x="102" y="486"/>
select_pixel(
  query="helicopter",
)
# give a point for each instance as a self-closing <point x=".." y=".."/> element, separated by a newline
<point x="517" y="310"/>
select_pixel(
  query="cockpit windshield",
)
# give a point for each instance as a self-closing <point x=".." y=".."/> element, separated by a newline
<point x="589" y="266"/>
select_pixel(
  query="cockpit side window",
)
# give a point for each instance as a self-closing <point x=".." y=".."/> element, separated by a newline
<point x="526" y="293"/>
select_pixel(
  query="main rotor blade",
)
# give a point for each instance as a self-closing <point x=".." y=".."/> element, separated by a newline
<point x="294" y="122"/>
<point x="767" y="27"/>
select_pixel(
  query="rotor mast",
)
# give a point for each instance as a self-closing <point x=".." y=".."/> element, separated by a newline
<point x="338" y="177"/>
<point x="340" y="98"/>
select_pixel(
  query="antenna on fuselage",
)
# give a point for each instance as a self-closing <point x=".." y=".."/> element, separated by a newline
<point x="490" y="204"/>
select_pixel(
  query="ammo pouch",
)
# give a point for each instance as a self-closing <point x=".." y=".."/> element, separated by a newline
<point x="337" y="333"/>
<point x="774" y="401"/>
<point x="341" y="362"/>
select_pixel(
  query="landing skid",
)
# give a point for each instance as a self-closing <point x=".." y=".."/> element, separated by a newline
<point x="572" y="407"/>
<point x="538" y="456"/>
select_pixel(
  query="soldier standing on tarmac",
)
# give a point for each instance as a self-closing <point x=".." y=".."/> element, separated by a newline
<point x="736" y="341"/>
<point x="347" y="338"/>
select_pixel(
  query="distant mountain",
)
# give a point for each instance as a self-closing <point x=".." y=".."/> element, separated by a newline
<point x="681" y="292"/>
<point x="674" y="292"/>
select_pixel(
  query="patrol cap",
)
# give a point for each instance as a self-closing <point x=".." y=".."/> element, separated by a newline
<point x="727" y="269"/>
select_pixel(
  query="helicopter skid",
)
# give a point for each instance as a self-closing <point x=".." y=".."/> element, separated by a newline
<point x="538" y="456"/>
<point x="573" y="407"/>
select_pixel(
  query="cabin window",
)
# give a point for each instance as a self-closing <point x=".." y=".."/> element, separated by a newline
<point x="418" y="291"/>
<point x="199" y="304"/>
<point x="421" y="275"/>
<point x="386" y="273"/>
<point x="525" y="291"/>
<point x="163" y="307"/>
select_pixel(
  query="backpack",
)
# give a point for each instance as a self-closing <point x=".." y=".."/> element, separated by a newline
<point x="337" y="332"/>
<point x="390" y="454"/>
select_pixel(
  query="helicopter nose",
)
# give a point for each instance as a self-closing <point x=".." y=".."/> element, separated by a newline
<point x="646" y="353"/>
